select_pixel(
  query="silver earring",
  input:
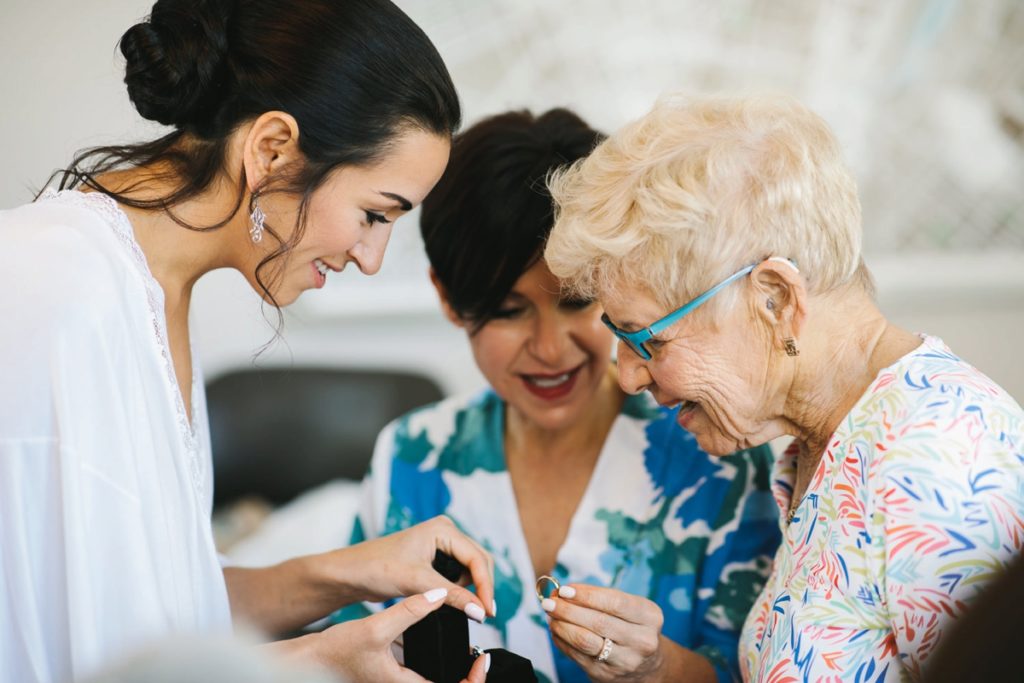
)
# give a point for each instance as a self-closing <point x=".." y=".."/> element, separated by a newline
<point x="771" y="305"/>
<point x="256" y="219"/>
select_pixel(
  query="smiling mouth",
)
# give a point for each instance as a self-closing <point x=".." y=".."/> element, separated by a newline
<point x="551" y="381"/>
<point x="548" y="381"/>
<point x="683" y="405"/>
<point x="552" y="386"/>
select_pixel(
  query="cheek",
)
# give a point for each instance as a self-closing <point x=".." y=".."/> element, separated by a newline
<point x="495" y="348"/>
<point x="694" y="374"/>
<point x="598" y="342"/>
<point x="330" y="229"/>
<point x="591" y="335"/>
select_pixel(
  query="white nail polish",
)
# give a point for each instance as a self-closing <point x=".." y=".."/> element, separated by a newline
<point x="494" y="608"/>
<point x="547" y="604"/>
<point x="487" y="662"/>
<point x="567" y="592"/>
<point x="475" y="612"/>
<point x="436" y="594"/>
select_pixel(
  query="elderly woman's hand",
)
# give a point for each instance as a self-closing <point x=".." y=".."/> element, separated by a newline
<point x="362" y="650"/>
<point x="587" y="620"/>
<point x="585" y="616"/>
<point x="400" y="564"/>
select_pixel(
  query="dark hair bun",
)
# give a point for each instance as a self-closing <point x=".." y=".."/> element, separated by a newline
<point x="175" y="62"/>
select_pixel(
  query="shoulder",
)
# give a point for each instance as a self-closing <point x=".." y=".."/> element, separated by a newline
<point x="61" y="254"/>
<point x="935" y="384"/>
<point x="946" y="468"/>
<point x="422" y="455"/>
<point x="934" y="410"/>
<point x="458" y="432"/>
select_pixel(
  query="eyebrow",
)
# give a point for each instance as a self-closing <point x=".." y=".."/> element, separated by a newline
<point x="627" y="326"/>
<point x="402" y="201"/>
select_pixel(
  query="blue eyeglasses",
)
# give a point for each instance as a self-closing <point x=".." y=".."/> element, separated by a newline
<point x="637" y="340"/>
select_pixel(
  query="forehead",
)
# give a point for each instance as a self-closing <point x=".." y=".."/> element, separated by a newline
<point x="409" y="168"/>
<point x="537" y="279"/>
<point x="631" y="307"/>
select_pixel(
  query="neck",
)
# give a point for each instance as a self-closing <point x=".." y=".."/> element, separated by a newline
<point x="835" y="367"/>
<point x="178" y="255"/>
<point x="583" y="438"/>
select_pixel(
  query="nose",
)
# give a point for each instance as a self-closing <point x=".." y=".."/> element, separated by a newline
<point x="634" y="377"/>
<point x="368" y="253"/>
<point x="550" y="334"/>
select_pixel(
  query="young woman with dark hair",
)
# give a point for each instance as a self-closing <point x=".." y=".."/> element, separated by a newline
<point x="659" y="548"/>
<point x="300" y="131"/>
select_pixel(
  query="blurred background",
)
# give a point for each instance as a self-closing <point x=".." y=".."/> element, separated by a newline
<point x="927" y="97"/>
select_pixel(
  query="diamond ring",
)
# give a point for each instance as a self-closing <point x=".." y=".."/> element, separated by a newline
<point x="606" y="650"/>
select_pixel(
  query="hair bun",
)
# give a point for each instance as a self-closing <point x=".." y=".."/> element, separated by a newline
<point x="175" y="62"/>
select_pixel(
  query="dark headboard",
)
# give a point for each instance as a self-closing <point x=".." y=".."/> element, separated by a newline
<point x="278" y="432"/>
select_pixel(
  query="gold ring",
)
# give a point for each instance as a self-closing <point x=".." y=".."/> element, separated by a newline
<point x="540" y="586"/>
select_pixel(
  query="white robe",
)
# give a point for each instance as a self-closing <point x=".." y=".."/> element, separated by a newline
<point x="105" y="489"/>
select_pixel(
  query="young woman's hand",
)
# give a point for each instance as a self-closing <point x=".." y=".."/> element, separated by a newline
<point x="400" y="564"/>
<point x="299" y="591"/>
<point x="583" y="617"/>
<point x="362" y="650"/>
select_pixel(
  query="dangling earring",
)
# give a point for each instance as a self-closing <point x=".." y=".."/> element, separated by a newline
<point x="256" y="219"/>
<point x="791" y="349"/>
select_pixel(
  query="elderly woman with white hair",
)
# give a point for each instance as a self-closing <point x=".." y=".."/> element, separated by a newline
<point x="723" y="238"/>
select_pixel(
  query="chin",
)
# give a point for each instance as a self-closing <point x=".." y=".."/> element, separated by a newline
<point x="552" y="420"/>
<point x="717" y="447"/>
<point x="281" y="298"/>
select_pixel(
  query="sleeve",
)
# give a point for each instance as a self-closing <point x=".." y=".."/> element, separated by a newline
<point x="69" y="517"/>
<point x="950" y="513"/>
<point x="371" y="515"/>
<point x="31" y="638"/>
<point x="738" y="562"/>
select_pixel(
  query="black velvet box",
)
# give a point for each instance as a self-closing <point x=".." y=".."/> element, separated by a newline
<point x="437" y="647"/>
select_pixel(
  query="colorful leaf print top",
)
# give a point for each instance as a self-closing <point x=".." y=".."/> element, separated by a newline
<point x="915" y="505"/>
<point x="660" y="519"/>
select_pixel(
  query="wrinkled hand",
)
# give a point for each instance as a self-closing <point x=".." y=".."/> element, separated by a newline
<point x="361" y="650"/>
<point x="400" y="564"/>
<point x="583" y="616"/>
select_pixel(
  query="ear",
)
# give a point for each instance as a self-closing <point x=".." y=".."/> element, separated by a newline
<point x="446" y="307"/>
<point x="779" y="299"/>
<point x="270" y="146"/>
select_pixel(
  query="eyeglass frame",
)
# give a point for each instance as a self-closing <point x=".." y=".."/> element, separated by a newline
<point x="636" y="340"/>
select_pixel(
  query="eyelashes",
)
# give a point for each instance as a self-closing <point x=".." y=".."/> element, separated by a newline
<point x="372" y="217"/>
<point x="566" y="305"/>
<point x="575" y="304"/>
<point x="507" y="313"/>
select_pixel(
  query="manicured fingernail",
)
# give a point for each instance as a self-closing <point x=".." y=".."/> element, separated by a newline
<point x="475" y="612"/>
<point x="436" y="594"/>
<point x="487" y="662"/>
<point x="547" y="604"/>
<point x="494" y="608"/>
<point x="567" y="592"/>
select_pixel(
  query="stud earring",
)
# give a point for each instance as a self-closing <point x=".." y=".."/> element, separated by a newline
<point x="791" y="349"/>
<point x="771" y="304"/>
<point x="256" y="219"/>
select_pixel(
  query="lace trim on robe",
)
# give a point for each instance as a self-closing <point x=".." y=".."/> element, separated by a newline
<point x="112" y="214"/>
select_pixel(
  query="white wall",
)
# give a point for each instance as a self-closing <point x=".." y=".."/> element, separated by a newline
<point x="60" y="90"/>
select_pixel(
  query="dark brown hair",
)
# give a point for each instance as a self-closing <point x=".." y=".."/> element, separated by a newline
<point x="354" y="74"/>
<point x="486" y="221"/>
